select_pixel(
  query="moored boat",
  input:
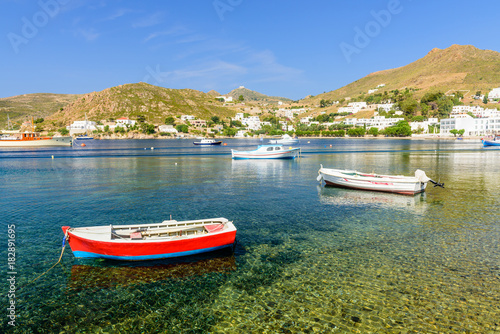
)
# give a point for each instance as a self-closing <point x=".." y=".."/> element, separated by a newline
<point x="29" y="139"/>
<point x="285" y="140"/>
<point x="406" y="185"/>
<point x="267" y="152"/>
<point x="494" y="142"/>
<point x="205" y="141"/>
<point x="151" y="241"/>
<point x="84" y="137"/>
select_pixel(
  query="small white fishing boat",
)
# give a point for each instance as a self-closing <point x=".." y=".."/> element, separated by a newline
<point x="285" y="140"/>
<point x="205" y="141"/>
<point x="406" y="185"/>
<point x="267" y="152"/>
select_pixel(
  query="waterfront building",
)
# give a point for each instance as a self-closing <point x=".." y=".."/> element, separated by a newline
<point x="472" y="126"/>
<point x="78" y="127"/>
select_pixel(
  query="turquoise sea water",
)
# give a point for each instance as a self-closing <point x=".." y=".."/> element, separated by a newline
<point x="309" y="259"/>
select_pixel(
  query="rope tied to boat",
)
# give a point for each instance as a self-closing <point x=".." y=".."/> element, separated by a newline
<point x="60" y="257"/>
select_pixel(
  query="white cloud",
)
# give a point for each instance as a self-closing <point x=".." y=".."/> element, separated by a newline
<point x="174" y="31"/>
<point x="117" y="14"/>
<point x="148" y="21"/>
<point x="88" y="34"/>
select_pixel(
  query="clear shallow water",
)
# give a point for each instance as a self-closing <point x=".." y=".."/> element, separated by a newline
<point x="308" y="259"/>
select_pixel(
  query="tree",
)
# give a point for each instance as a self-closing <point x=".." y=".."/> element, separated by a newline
<point x="400" y="129"/>
<point x="356" y="132"/>
<point x="229" y="132"/>
<point x="373" y="131"/>
<point x="485" y="99"/>
<point x="215" y="119"/>
<point x="170" y="120"/>
<point x="454" y="132"/>
<point x="182" y="128"/>
<point x="38" y="120"/>
<point x="241" y="98"/>
<point x="63" y="131"/>
<point x="445" y="106"/>
<point x="141" y="119"/>
<point x="409" y="106"/>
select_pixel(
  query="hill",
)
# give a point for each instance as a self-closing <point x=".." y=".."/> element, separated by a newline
<point x="21" y="107"/>
<point x="459" y="67"/>
<point x="131" y="100"/>
<point x="250" y="95"/>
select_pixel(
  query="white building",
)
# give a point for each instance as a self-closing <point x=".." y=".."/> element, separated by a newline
<point x="494" y="94"/>
<point x="252" y="122"/>
<point x="168" y="128"/>
<point x="239" y="116"/>
<point x="359" y="105"/>
<point x="477" y="111"/>
<point x="350" y="110"/>
<point x="82" y="127"/>
<point x="371" y="91"/>
<point x="381" y="85"/>
<point x="306" y="120"/>
<point x="226" y="98"/>
<point x="187" y="117"/>
<point x="424" y="125"/>
<point x="472" y="126"/>
<point x="385" y="106"/>
<point x="124" y="121"/>
<point x="379" y="122"/>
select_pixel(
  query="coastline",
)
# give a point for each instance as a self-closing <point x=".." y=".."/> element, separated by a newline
<point x="156" y="136"/>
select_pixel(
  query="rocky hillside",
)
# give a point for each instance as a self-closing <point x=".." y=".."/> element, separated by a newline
<point x="253" y="96"/>
<point x="459" y="67"/>
<point x="131" y="100"/>
<point x="22" y="107"/>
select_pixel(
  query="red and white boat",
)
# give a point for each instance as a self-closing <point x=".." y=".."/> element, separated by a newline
<point x="406" y="185"/>
<point x="151" y="241"/>
<point x="30" y="139"/>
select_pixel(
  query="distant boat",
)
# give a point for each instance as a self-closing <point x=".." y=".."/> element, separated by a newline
<point x="494" y="142"/>
<point x="33" y="139"/>
<point x="205" y="141"/>
<point x="406" y="185"/>
<point x="285" y="140"/>
<point x="267" y="152"/>
<point x="84" y="137"/>
<point x="151" y="241"/>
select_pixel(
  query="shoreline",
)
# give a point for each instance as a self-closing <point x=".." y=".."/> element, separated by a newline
<point x="420" y="137"/>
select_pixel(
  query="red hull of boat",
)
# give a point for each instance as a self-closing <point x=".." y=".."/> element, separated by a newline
<point x="148" y="250"/>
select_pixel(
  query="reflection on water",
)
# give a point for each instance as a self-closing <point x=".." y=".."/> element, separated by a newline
<point x="377" y="200"/>
<point x="106" y="274"/>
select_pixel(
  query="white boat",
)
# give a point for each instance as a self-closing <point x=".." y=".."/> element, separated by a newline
<point x="33" y="139"/>
<point x="84" y="137"/>
<point x="285" y="140"/>
<point x="267" y="152"/>
<point x="406" y="185"/>
<point x="205" y="141"/>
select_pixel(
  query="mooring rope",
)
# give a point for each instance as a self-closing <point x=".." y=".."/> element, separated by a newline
<point x="60" y="257"/>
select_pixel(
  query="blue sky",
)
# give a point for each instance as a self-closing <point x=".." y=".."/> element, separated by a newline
<point x="281" y="48"/>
